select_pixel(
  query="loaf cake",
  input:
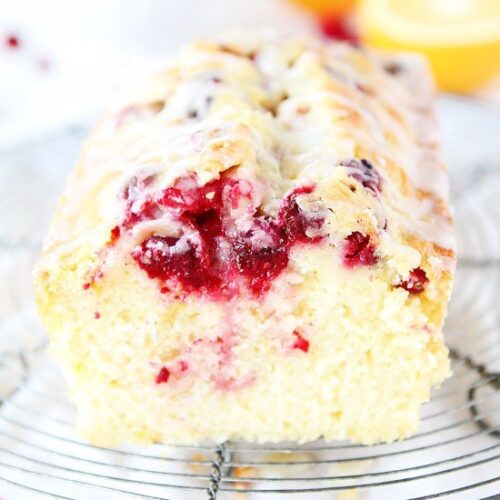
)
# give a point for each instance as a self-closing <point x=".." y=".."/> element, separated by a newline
<point x="255" y="244"/>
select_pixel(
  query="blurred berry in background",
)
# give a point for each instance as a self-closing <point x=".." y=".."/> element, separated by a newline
<point x="335" y="17"/>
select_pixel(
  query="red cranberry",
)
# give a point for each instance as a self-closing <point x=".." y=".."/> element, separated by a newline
<point x="358" y="250"/>
<point x="162" y="376"/>
<point x="97" y="315"/>
<point x="260" y="265"/>
<point x="416" y="281"/>
<point x="300" y="342"/>
<point x="298" y="226"/>
<point x="365" y="173"/>
<point x="338" y="28"/>
<point x="114" y="235"/>
<point x="12" y="41"/>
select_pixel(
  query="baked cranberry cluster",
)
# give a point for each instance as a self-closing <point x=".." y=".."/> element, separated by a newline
<point x="365" y="173"/>
<point x="214" y="254"/>
<point x="416" y="282"/>
<point x="359" y="250"/>
<point x="225" y="243"/>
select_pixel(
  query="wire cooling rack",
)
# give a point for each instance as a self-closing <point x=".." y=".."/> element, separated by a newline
<point x="455" y="452"/>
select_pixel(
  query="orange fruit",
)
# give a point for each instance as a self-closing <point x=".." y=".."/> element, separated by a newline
<point x="461" y="38"/>
<point x="327" y="7"/>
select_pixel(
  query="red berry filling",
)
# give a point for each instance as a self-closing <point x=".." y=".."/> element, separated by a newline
<point x="215" y="254"/>
<point x="416" y="281"/>
<point x="300" y="342"/>
<point x="163" y="375"/>
<point x="165" y="257"/>
<point x="359" y="251"/>
<point x="365" y="173"/>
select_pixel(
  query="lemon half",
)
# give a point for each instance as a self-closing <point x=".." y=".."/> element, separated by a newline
<point x="461" y="38"/>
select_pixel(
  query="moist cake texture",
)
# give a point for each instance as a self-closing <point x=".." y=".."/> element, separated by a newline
<point x="255" y="244"/>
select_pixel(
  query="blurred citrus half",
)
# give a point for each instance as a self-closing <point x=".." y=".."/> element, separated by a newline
<point x="327" y="7"/>
<point x="461" y="38"/>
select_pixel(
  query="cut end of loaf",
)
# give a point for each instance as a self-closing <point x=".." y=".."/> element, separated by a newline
<point x="260" y="235"/>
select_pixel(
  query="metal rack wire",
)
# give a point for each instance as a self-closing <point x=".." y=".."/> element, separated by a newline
<point x="456" y="450"/>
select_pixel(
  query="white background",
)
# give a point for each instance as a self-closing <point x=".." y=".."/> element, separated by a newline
<point x="92" y="46"/>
